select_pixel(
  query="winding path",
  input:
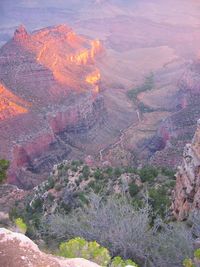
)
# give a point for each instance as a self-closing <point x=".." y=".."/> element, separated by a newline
<point x="121" y="137"/>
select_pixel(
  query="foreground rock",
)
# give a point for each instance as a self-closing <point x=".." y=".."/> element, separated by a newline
<point x="28" y="253"/>
<point x="187" y="190"/>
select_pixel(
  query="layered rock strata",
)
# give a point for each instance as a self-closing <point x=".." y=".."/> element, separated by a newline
<point x="49" y="99"/>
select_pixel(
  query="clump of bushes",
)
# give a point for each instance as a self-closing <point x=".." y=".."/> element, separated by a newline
<point x="189" y="262"/>
<point x="197" y="254"/>
<point x="22" y="227"/>
<point x="86" y="171"/>
<point x="148" y="173"/>
<point x="80" y="248"/>
<point x="119" y="262"/>
<point x="133" y="189"/>
<point x="4" y="165"/>
<point x="159" y="200"/>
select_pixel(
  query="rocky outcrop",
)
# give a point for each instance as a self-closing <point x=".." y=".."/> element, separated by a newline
<point x="187" y="190"/>
<point x="178" y="129"/>
<point x="49" y="85"/>
<point x="28" y="253"/>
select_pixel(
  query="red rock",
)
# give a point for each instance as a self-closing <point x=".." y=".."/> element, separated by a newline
<point x="28" y="253"/>
<point x="51" y="91"/>
<point x="187" y="191"/>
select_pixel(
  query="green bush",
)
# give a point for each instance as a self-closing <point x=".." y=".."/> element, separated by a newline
<point x="118" y="172"/>
<point x="4" y="165"/>
<point x="109" y="171"/>
<point x="197" y="254"/>
<point x="159" y="200"/>
<point x="74" y="168"/>
<point x="188" y="263"/>
<point x="86" y="171"/>
<point x="119" y="262"/>
<point x="75" y="163"/>
<point x="148" y="174"/>
<point x="80" y="248"/>
<point x="22" y="227"/>
<point x="168" y="172"/>
<point x="98" y="175"/>
<point x="133" y="189"/>
<point x="95" y="186"/>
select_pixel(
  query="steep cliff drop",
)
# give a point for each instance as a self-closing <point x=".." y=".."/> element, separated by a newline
<point x="49" y="99"/>
<point x="187" y="190"/>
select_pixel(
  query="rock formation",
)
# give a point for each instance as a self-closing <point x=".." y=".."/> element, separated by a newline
<point x="179" y="127"/>
<point x="187" y="190"/>
<point x="49" y="86"/>
<point x="17" y="250"/>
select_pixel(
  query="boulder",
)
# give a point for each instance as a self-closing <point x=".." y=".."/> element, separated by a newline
<point x="17" y="250"/>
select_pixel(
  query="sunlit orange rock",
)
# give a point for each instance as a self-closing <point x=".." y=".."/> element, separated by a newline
<point x="94" y="79"/>
<point x="50" y="94"/>
<point x="10" y="105"/>
<point x="63" y="52"/>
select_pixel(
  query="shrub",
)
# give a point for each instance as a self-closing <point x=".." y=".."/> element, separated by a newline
<point x="148" y="174"/>
<point x="115" y="224"/>
<point x="95" y="186"/>
<point x="119" y="262"/>
<point x="4" y="165"/>
<point x="22" y="227"/>
<point x="188" y="263"/>
<point x="80" y="248"/>
<point x="168" y="172"/>
<point x="86" y="171"/>
<point x="118" y="172"/>
<point x="98" y="175"/>
<point x="197" y="254"/>
<point x="74" y="168"/>
<point x="75" y="163"/>
<point x="159" y="200"/>
<point x="133" y="189"/>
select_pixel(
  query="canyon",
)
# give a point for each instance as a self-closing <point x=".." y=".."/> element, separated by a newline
<point x="64" y="95"/>
<point x="51" y="108"/>
<point x="38" y="89"/>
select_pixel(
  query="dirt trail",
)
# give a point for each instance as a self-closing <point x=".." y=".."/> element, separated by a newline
<point x="119" y="141"/>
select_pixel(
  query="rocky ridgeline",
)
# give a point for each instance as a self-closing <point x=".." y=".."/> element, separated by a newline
<point x="28" y="253"/>
<point x="50" y="84"/>
<point x="187" y="190"/>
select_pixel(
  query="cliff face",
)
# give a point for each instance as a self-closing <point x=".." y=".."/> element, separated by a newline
<point x="49" y="86"/>
<point x="179" y="128"/>
<point x="187" y="190"/>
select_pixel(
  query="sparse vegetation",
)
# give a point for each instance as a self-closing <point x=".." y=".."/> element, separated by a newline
<point x="146" y="86"/>
<point x="22" y="227"/>
<point x="106" y="205"/>
<point x="148" y="173"/>
<point x="4" y="165"/>
<point x="80" y="248"/>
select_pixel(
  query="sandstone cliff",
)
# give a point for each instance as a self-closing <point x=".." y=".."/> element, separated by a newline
<point x="28" y="253"/>
<point x="50" y="100"/>
<point x="187" y="190"/>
